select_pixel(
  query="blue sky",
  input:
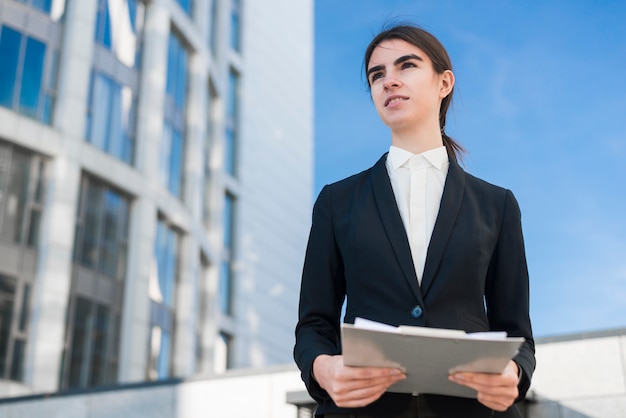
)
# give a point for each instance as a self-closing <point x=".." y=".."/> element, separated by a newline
<point x="540" y="104"/>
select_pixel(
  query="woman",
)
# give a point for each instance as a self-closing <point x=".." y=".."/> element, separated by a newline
<point x="413" y="240"/>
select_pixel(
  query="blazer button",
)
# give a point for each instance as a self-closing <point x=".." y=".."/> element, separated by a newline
<point x="417" y="312"/>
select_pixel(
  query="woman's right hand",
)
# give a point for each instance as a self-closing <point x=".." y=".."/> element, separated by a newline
<point x="353" y="387"/>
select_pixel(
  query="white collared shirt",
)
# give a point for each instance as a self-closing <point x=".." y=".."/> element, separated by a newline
<point x="418" y="194"/>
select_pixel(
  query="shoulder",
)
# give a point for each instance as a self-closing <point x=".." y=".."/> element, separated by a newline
<point x="356" y="181"/>
<point x="488" y="192"/>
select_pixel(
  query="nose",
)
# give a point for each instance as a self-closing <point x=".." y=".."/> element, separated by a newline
<point x="391" y="82"/>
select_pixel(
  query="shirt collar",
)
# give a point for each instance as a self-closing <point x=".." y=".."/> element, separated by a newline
<point x="438" y="157"/>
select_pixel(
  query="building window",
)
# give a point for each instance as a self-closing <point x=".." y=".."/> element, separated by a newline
<point x="112" y="104"/>
<point x="232" y="123"/>
<point x="54" y="8"/>
<point x="213" y="29"/>
<point x="235" y="25"/>
<point x="14" y="309"/>
<point x="111" y="117"/>
<point x="223" y="352"/>
<point x="173" y="145"/>
<point x="21" y="195"/>
<point x="101" y="240"/>
<point x="226" y="269"/>
<point x="91" y="354"/>
<point x="185" y="5"/>
<point x="22" y="190"/>
<point x="202" y="310"/>
<point x="206" y="153"/>
<point x="119" y="25"/>
<point x="162" y="291"/>
<point x="27" y="74"/>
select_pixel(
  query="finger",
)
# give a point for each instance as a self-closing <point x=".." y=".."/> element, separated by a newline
<point x="361" y="392"/>
<point x="359" y="397"/>
<point x="485" y="379"/>
<point x="495" y="403"/>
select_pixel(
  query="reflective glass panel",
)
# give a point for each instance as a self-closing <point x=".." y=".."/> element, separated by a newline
<point x="229" y="203"/>
<point x="7" y="297"/>
<point x="16" y="196"/>
<point x="163" y="362"/>
<point x="101" y="239"/>
<point x="91" y="216"/>
<point x="108" y="243"/>
<point x="81" y="324"/>
<point x="99" y="341"/>
<point x="176" y="160"/>
<point x="100" y="105"/>
<point x="25" y="308"/>
<point x="17" y="362"/>
<point x="235" y="25"/>
<point x="213" y="31"/>
<point x="111" y="117"/>
<point x="9" y="51"/>
<point x="185" y="5"/>
<point x="30" y="92"/>
<point x="225" y="287"/>
<point x="117" y="26"/>
<point x="166" y="253"/>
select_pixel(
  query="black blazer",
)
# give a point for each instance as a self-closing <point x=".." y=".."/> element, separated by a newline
<point x="475" y="276"/>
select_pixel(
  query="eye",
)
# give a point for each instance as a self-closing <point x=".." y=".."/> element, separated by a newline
<point x="408" y="64"/>
<point x="376" y="76"/>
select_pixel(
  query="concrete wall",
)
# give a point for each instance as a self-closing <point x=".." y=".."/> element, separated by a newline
<point x="232" y="395"/>
<point x="580" y="376"/>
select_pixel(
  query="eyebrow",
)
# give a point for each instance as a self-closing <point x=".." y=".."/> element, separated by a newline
<point x="399" y="60"/>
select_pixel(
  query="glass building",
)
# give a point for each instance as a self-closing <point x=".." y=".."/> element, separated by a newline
<point x="147" y="227"/>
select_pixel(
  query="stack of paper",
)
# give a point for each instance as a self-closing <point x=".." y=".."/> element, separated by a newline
<point x="427" y="355"/>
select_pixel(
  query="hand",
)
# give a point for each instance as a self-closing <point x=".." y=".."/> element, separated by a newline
<point x="353" y="386"/>
<point x="495" y="391"/>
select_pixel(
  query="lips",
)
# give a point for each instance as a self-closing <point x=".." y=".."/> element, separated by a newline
<point x="394" y="99"/>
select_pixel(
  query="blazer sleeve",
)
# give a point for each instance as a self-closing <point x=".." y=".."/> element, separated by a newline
<point x="507" y="289"/>
<point x="322" y="294"/>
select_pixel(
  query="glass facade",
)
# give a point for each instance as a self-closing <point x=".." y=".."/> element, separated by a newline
<point x="226" y="269"/>
<point x="106" y="90"/>
<point x="213" y="29"/>
<point x="13" y="310"/>
<point x="111" y="117"/>
<point x="101" y="239"/>
<point x="22" y="191"/>
<point x="206" y="153"/>
<point x="235" y="25"/>
<point x="173" y="140"/>
<point x="27" y="74"/>
<point x="162" y="289"/>
<point x="54" y="8"/>
<point x="223" y="352"/>
<point x="21" y="195"/>
<point x="119" y="27"/>
<point x="232" y="123"/>
<point x="111" y="112"/>
<point x="93" y="351"/>
<point x="95" y="305"/>
<point x="186" y="5"/>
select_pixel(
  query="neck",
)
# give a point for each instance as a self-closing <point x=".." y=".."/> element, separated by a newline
<point x="418" y="140"/>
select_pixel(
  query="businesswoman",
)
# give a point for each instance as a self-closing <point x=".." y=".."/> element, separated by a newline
<point x="413" y="240"/>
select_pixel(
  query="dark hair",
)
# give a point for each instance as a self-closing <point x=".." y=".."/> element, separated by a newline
<point x="441" y="62"/>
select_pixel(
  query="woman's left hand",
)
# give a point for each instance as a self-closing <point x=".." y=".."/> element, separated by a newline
<point x="495" y="391"/>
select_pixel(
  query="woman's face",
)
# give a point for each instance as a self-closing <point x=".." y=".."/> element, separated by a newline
<point x="406" y="90"/>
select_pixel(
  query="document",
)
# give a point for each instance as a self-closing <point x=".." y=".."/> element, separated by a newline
<point x="427" y="355"/>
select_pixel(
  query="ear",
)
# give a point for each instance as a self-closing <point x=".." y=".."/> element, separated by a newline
<point x="446" y="83"/>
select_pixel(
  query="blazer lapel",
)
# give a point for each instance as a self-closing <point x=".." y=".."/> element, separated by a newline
<point x="392" y="222"/>
<point x="448" y="211"/>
